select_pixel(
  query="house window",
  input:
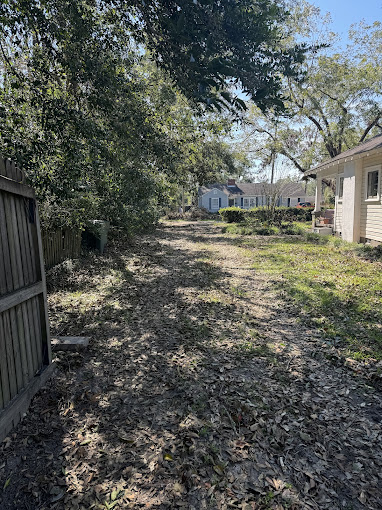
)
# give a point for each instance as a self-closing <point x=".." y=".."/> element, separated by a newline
<point x="372" y="184"/>
<point x="246" y="203"/>
<point x="340" y="187"/>
<point x="215" y="191"/>
<point x="215" y="203"/>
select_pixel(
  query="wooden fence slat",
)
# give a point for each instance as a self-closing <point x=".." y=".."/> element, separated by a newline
<point x="60" y="245"/>
<point x="22" y="343"/>
<point x="29" y="225"/>
<point x="2" y="167"/>
<point x="32" y="335"/>
<point x="9" y="355"/>
<point x="36" y="325"/>
<point x="3" y="277"/>
<point x="5" y="378"/>
<point x="24" y="326"/>
<point x="23" y="241"/>
<point x="28" y="346"/>
<point x="5" y="245"/>
<point x="11" y="242"/>
<point x="17" y="297"/>
<point x="21" y="310"/>
<point x="16" y="341"/>
<point x="15" y="188"/>
<point x="45" y="328"/>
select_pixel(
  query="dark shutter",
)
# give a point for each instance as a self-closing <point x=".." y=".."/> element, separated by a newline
<point x="242" y="201"/>
<point x="220" y="202"/>
<point x="210" y="205"/>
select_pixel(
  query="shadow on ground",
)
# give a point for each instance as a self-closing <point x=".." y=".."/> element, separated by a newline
<point x="193" y="393"/>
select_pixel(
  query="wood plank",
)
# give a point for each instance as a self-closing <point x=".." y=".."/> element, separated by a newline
<point x="16" y="241"/>
<point x="15" y="188"/>
<point x="43" y="301"/>
<point x="1" y="391"/>
<point x="32" y="335"/>
<point x="28" y="346"/>
<point x="16" y="341"/>
<point x="11" y="242"/>
<point x="2" y="167"/>
<point x="5" y="245"/>
<point x="10" y="416"/>
<point x="8" y="171"/>
<point x="22" y="343"/>
<point x="18" y="333"/>
<point x="4" y="381"/>
<point x="18" y="296"/>
<point x="9" y="355"/>
<point x="36" y="324"/>
<point x="23" y="242"/>
<point x="3" y="277"/>
<point x="29" y="226"/>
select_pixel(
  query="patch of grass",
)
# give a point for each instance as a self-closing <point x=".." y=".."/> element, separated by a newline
<point x="254" y="351"/>
<point x="194" y="331"/>
<point x="237" y="291"/>
<point x="212" y="296"/>
<point x="248" y="229"/>
<point x="335" y="289"/>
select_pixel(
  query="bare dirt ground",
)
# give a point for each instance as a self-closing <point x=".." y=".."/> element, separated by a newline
<point x="202" y="389"/>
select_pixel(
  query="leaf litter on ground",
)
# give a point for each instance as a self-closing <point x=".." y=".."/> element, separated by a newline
<point x="192" y="394"/>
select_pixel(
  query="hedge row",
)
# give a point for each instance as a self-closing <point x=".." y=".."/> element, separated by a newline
<point x="262" y="215"/>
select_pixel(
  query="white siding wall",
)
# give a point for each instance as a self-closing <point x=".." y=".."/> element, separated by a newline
<point x="371" y="212"/>
<point x="338" y="217"/>
<point x="338" y="204"/>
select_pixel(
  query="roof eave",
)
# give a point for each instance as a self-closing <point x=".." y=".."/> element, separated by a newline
<point x="346" y="159"/>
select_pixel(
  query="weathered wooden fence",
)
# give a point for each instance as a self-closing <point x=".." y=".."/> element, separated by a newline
<point x="25" y="352"/>
<point x="60" y="245"/>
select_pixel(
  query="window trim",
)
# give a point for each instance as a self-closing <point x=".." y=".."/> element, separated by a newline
<point x="212" y="201"/>
<point x="339" y="177"/>
<point x="369" y="169"/>
<point x="251" y="202"/>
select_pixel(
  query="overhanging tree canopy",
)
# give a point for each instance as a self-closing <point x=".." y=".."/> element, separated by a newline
<point x="208" y="48"/>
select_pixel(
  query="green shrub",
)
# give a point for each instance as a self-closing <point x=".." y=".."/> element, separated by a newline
<point x="279" y="215"/>
<point x="291" y="229"/>
<point x="266" y="231"/>
<point x="233" y="214"/>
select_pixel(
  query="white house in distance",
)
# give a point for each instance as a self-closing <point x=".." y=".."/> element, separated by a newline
<point x="247" y="195"/>
<point x="358" y="206"/>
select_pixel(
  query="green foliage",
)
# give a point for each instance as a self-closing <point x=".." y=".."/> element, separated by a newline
<point x="99" y="129"/>
<point x="209" y="46"/>
<point x="266" y="221"/>
<point x="232" y="214"/>
<point x="276" y="216"/>
<point x="344" y="306"/>
<point x="292" y="229"/>
<point x="336" y="106"/>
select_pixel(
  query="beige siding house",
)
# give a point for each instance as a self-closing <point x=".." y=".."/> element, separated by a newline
<point x="358" y="204"/>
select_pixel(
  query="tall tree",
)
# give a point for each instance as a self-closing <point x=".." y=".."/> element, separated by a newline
<point x="207" y="47"/>
<point x="338" y="104"/>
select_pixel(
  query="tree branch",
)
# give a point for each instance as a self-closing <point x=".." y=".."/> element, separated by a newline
<point x="370" y="126"/>
<point x="294" y="160"/>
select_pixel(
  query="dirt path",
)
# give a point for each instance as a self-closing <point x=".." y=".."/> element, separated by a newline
<point x="201" y="390"/>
